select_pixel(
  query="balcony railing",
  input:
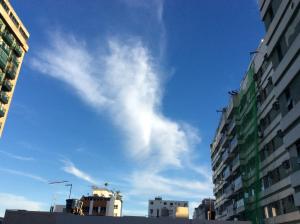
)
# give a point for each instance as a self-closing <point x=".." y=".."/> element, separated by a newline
<point x="9" y="38"/>
<point x="3" y="58"/>
<point x="3" y="97"/>
<point x="240" y="203"/>
<point x="11" y="73"/>
<point x="2" y="111"/>
<point x="238" y="183"/>
<point x="5" y="48"/>
<point x="1" y="77"/>
<point x="7" y="86"/>
<point x="18" y="50"/>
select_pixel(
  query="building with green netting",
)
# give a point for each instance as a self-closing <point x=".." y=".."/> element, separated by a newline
<point x="256" y="149"/>
<point x="13" y="45"/>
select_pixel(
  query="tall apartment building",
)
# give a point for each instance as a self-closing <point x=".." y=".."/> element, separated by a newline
<point x="256" y="150"/>
<point x="13" y="45"/>
<point x="166" y="208"/>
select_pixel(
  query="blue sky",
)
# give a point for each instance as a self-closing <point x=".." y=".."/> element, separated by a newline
<point x="123" y="92"/>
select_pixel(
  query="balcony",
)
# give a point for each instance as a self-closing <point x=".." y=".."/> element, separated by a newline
<point x="236" y="163"/>
<point x="1" y="77"/>
<point x="227" y="172"/>
<point x="7" y="86"/>
<point x="5" y="48"/>
<point x="240" y="206"/>
<point x="18" y="50"/>
<point x="2" y="25"/>
<point x="238" y="183"/>
<point x="295" y="176"/>
<point x="2" y="111"/>
<point x="3" y="97"/>
<point x="233" y="143"/>
<point x="15" y="62"/>
<point x="11" y="73"/>
<point x="225" y="155"/>
<point x="3" y="58"/>
<point x="9" y="38"/>
<point x="230" y="211"/>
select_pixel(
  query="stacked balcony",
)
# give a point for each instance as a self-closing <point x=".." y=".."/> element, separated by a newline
<point x="7" y="86"/>
<point x="2" y="111"/>
<point x="3" y="97"/>
<point x="8" y="38"/>
<point x="11" y="73"/>
<point x="18" y="50"/>
<point x="4" y="51"/>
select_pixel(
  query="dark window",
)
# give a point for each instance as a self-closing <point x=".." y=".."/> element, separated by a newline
<point x="4" y="5"/>
<point x="270" y="13"/>
<point x="103" y="209"/>
<point x="288" y="204"/>
<point x="151" y="211"/>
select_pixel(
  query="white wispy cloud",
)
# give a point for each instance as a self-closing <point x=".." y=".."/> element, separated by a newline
<point x="12" y="201"/>
<point x="24" y="174"/>
<point x="149" y="183"/>
<point x="18" y="157"/>
<point x="127" y="84"/>
<point x="70" y="168"/>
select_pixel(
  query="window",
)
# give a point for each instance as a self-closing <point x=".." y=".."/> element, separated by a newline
<point x="4" y="5"/>
<point x="288" y="204"/>
<point x="290" y="96"/>
<point x="151" y="211"/>
<point x="13" y="18"/>
<point x="103" y="209"/>
<point x="165" y="203"/>
<point x="270" y="13"/>
<point x="115" y="206"/>
<point x="286" y="40"/>
<point x="151" y="202"/>
<point x="268" y="17"/>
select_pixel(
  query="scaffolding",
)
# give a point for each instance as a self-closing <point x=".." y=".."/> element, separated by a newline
<point x="248" y="142"/>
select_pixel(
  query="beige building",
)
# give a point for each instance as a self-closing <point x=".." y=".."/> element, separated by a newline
<point x="13" y="45"/>
<point x="166" y="208"/>
<point x="103" y="202"/>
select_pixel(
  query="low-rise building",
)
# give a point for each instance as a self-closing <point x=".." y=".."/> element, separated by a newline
<point x="168" y="208"/>
<point x="103" y="202"/>
<point x="206" y="210"/>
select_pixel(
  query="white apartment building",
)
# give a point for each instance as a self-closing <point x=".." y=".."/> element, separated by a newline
<point x="167" y="208"/>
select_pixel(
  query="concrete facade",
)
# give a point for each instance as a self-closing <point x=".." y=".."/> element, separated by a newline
<point x="261" y="179"/>
<point x="13" y="46"/>
<point x="206" y="210"/>
<point x="25" y="217"/>
<point x="166" y="208"/>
